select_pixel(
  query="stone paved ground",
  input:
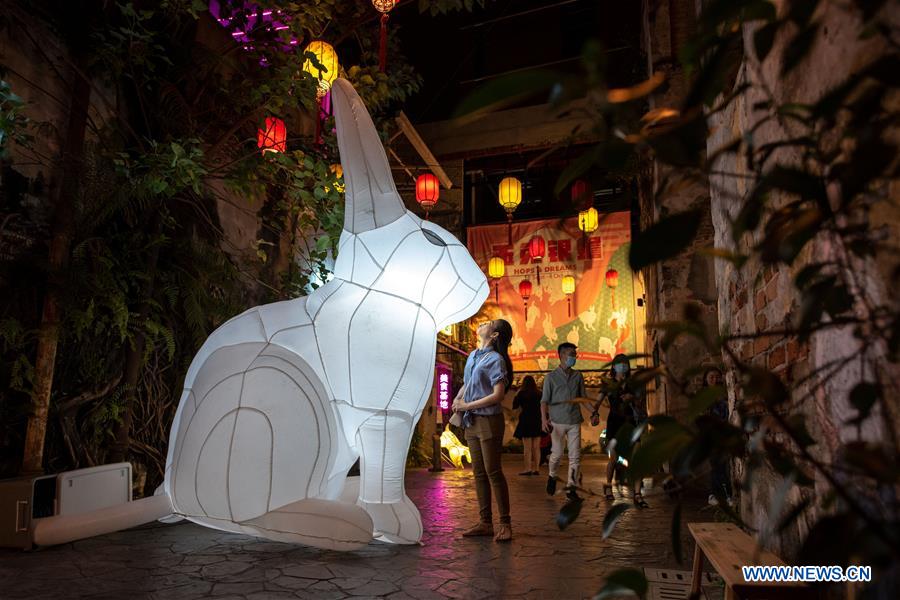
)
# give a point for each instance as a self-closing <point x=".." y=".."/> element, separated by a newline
<point x="183" y="561"/>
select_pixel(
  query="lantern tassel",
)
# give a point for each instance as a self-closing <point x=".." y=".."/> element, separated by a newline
<point x="538" y="270"/>
<point x="569" y="300"/>
<point x="497" y="292"/>
<point x="382" y="45"/>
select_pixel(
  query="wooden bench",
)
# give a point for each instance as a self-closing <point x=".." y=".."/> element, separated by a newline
<point x="728" y="548"/>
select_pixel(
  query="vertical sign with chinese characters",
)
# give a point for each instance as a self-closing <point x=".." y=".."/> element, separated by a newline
<point x="443" y="383"/>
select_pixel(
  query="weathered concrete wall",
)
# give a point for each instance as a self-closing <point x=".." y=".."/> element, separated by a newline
<point x="757" y="299"/>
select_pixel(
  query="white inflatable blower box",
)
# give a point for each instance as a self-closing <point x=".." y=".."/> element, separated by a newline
<point x="27" y="501"/>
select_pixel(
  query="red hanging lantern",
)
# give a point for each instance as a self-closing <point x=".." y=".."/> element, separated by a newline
<point x="581" y="193"/>
<point x="525" y="292"/>
<point x="537" y="248"/>
<point x="274" y="137"/>
<point x="428" y="190"/>
<point x="612" y="280"/>
<point x="384" y="7"/>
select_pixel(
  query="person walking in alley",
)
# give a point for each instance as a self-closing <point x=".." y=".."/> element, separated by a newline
<point x="529" y="428"/>
<point x="487" y="376"/>
<point x="719" y="479"/>
<point x="626" y="406"/>
<point x="561" y="416"/>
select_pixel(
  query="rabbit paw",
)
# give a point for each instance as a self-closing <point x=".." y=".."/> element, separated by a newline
<point x="397" y="522"/>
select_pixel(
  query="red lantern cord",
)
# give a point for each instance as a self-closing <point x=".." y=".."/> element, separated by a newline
<point x="382" y="46"/>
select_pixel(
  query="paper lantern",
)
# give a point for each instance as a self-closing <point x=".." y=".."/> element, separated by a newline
<point x="281" y="400"/>
<point x="588" y="220"/>
<point x="338" y="172"/>
<point x="428" y="190"/>
<point x="327" y="57"/>
<point x="581" y="193"/>
<point x="510" y="195"/>
<point x="612" y="278"/>
<point x="496" y="270"/>
<point x="525" y="292"/>
<point x="568" y="288"/>
<point x="536" y="249"/>
<point x="273" y="137"/>
<point x="455" y="449"/>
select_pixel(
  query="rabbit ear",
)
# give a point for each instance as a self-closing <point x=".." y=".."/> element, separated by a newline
<point x="371" y="196"/>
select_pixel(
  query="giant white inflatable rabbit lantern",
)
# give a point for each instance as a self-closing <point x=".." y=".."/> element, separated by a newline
<point x="281" y="400"/>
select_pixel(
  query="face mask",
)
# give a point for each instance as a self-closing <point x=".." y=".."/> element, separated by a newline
<point x="570" y="361"/>
<point x="621" y="368"/>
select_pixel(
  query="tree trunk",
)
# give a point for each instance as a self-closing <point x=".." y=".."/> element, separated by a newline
<point x="60" y="241"/>
<point x="134" y="360"/>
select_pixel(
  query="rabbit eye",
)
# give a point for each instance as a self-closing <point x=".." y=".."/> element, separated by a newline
<point x="433" y="238"/>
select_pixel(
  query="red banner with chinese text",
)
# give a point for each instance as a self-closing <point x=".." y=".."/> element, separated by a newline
<point x="598" y="316"/>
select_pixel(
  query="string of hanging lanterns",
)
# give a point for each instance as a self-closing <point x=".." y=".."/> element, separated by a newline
<point x="384" y="7"/>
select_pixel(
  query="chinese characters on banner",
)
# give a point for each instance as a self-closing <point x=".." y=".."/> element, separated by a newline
<point x="602" y="321"/>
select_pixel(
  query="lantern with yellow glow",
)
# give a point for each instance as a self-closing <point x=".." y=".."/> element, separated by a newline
<point x="496" y="270"/>
<point x="612" y="280"/>
<point x="384" y="7"/>
<point x="568" y="288"/>
<point x="455" y="449"/>
<point x="588" y="220"/>
<point x="525" y="292"/>
<point x="273" y="138"/>
<point x="428" y="190"/>
<point x="537" y="248"/>
<point x="338" y="172"/>
<point x="510" y="196"/>
<point x="328" y="58"/>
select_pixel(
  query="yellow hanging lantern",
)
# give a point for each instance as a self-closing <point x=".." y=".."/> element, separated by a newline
<point x="338" y="172"/>
<point x="588" y="220"/>
<point x="510" y="197"/>
<point x="510" y="194"/>
<point x="496" y="270"/>
<point x="328" y="58"/>
<point x="568" y="288"/>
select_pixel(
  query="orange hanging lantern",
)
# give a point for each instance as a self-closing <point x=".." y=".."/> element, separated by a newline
<point x="568" y="288"/>
<point x="428" y="190"/>
<point x="274" y="137"/>
<point x="612" y="280"/>
<point x="384" y="7"/>
<point x="496" y="270"/>
<point x="525" y="292"/>
<point x="537" y="248"/>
